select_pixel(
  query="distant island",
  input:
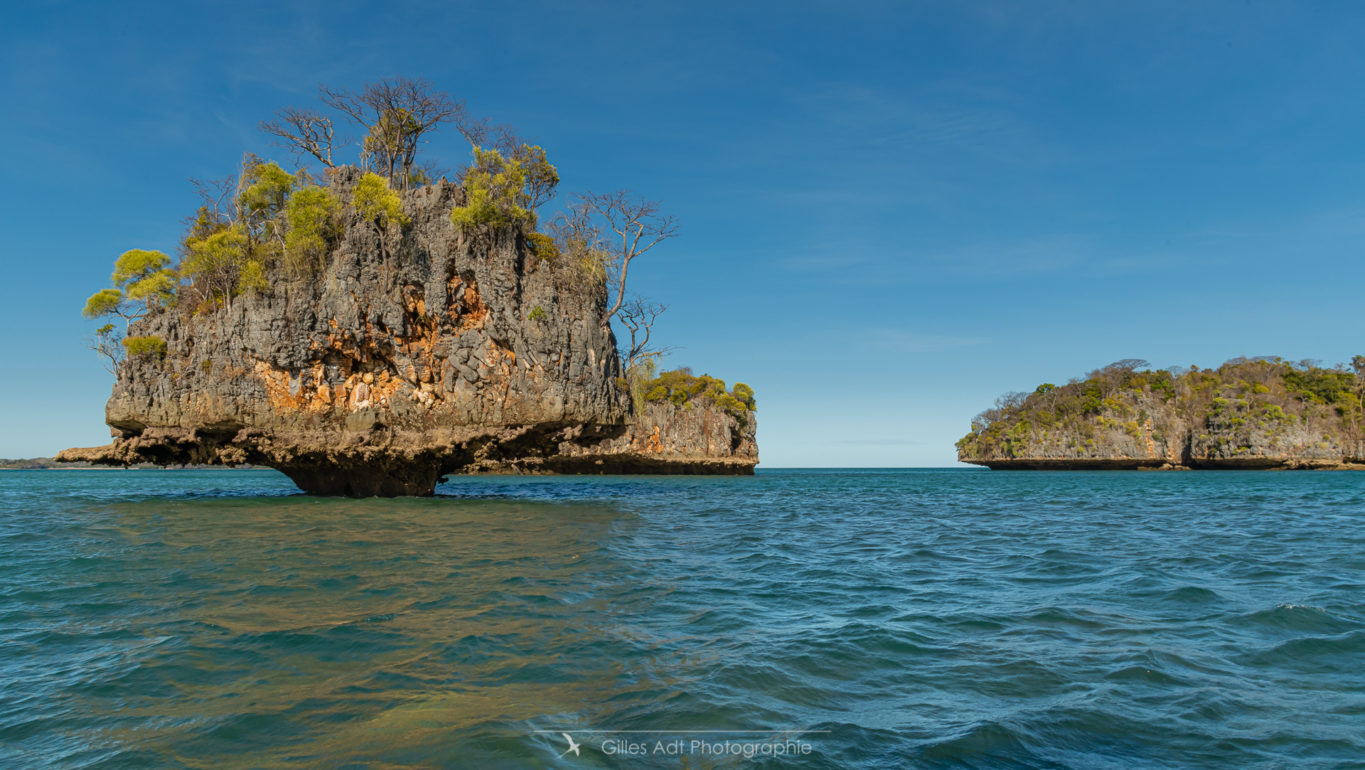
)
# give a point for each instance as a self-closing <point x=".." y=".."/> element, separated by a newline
<point x="1248" y="413"/>
<point x="371" y="327"/>
<point x="36" y="464"/>
<point x="52" y="463"/>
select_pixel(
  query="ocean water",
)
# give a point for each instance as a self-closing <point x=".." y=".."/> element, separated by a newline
<point x="867" y="619"/>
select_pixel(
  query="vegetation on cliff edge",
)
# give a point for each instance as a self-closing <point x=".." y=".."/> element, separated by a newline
<point x="1268" y="397"/>
<point x="681" y="388"/>
<point x="266" y="226"/>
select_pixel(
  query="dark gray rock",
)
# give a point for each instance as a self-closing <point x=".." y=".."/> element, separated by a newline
<point x="411" y="356"/>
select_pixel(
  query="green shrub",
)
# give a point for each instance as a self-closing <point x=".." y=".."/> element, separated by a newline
<point x="542" y="245"/>
<point x="265" y="188"/>
<point x="144" y="275"/>
<point x="312" y="218"/>
<point x="148" y="347"/>
<point x="102" y="302"/>
<point x="216" y="265"/>
<point x="745" y="395"/>
<point x="680" y="387"/>
<point x="375" y="200"/>
<point x="1322" y="386"/>
<point x="496" y="195"/>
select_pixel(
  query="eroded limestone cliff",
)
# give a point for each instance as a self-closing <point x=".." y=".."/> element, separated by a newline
<point x="419" y="351"/>
<point x="1262" y="413"/>
<point x="662" y="437"/>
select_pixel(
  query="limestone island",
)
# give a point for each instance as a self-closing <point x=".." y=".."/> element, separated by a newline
<point x="368" y="330"/>
<point x="1263" y="413"/>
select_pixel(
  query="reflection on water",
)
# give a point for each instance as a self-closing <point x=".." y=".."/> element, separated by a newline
<point x="320" y="628"/>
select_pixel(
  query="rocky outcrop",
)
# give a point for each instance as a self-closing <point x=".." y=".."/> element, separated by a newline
<point x="663" y="437"/>
<point x="1249" y="414"/>
<point x="417" y="352"/>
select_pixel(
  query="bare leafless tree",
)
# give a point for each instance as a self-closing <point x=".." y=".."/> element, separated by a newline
<point x="638" y="316"/>
<point x="578" y="237"/>
<point x="217" y="196"/>
<point x="396" y="114"/>
<point x="479" y="132"/>
<point x="638" y="223"/>
<point x="108" y="343"/>
<point x="305" y="132"/>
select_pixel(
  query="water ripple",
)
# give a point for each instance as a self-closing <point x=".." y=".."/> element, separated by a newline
<point x="916" y="618"/>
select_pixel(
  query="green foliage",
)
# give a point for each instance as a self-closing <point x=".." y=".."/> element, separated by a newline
<point x="681" y="387"/>
<point x="1276" y="413"/>
<point x="541" y="177"/>
<point x="311" y="214"/>
<point x="223" y="250"/>
<point x="265" y="188"/>
<point x="376" y="201"/>
<point x="150" y="346"/>
<point x="592" y="266"/>
<point x="252" y="277"/>
<point x="745" y="395"/>
<point x="158" y="287"/>
<point x="542" y="245"/>
<point x="142" y="282"/>
<point x="496" y="193"/>
<point x="1094" y="397"/>
<point x="1241" y="396"/>
<point x="136" y="265"/>
<point x="1321" y="386"/>
<point x="221" y="266"/>
<point x="537" y="314"/>
<point x="206" y="223"/>
<point x="144" y="276"/>
<point x="102" y="302"/>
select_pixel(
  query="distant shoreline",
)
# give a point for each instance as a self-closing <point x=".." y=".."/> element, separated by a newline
<point x="48" y="464"/>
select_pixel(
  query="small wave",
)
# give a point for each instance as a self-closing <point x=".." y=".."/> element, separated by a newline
<point x="1297" y="617"/>
<point x="1321" y="654"/>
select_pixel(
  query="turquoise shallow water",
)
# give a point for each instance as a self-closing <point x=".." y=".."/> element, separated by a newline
<point x="929" y="618"/>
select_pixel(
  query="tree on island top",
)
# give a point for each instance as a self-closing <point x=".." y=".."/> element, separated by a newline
<point x="638" y="223"/>
<point x="503" y="191"/>
<point x="394" y="115"/>
<point x="142" y="283"/>
<point x="268" y="223"/>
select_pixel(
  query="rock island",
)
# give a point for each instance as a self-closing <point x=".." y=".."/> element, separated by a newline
<point x="374" y="327"/>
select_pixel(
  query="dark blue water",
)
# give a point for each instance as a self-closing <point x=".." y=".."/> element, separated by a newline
<point x="874" y="619"/>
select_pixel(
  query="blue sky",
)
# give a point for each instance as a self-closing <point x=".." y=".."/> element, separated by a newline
<point x="892" y="212"/>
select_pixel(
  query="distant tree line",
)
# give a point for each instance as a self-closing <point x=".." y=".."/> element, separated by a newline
<point x="1265" y="392"/>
